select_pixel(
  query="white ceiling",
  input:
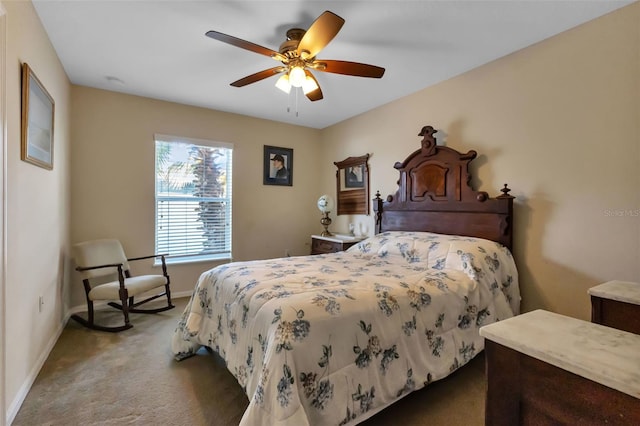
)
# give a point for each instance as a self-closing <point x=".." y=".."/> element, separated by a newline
<point x="158" y="49"/>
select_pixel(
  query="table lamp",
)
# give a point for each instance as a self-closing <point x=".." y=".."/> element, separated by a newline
<point x="325" y="205"/>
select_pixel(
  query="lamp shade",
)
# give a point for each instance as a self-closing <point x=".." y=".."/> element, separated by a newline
<point x="309" y="85"/>
<point x="325" y="203"/>
<point x="283" y="83"/>
<point x="297" y="76"/>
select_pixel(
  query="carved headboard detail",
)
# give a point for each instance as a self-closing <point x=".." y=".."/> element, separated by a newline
<point x="434" y="194"/>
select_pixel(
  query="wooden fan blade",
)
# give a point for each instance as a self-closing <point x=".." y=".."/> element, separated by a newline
<point x="319" y="34"/>
<point x="349" y="68"/>
<point x="315" y="95"/>
<point x="261" y="75"/>
<point x="243" y="44"/>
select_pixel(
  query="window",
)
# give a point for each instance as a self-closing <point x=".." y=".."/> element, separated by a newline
<point x="193" y="199"/>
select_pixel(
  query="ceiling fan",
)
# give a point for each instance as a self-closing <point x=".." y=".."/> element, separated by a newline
<point x="298" y="57"/>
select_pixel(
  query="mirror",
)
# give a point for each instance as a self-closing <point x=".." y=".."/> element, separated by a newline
<point x="352" y="178"/>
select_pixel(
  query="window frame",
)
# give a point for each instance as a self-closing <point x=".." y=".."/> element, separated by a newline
<point x="194" y="258"/>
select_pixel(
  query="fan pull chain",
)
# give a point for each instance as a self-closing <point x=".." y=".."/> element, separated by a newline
<point x="291" y="93"/>
<point x="295" y="89"/>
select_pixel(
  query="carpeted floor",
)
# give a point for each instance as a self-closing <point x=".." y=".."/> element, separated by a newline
<point x="97" y="378"/>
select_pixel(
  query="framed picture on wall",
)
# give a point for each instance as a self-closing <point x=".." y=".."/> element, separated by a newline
<point x="37" y="121"/>
<point x="278" y="166"/>
<point x="354" y="176"/>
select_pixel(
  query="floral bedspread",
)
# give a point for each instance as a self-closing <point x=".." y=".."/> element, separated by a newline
<point x="332" y="339"/>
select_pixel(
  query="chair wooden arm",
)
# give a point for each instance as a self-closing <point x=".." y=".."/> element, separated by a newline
<point x="88" y="268"/>
<point x="148" y="257"/>
<point x="161" y="256"/>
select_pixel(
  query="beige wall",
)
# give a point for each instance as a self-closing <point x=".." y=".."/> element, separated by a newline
<point x="112" y="171"/>
<point x="559" y="122"/>
<point x="37" y="210"/>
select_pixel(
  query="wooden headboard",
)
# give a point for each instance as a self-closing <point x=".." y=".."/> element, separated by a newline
<point x="434" y="195"/>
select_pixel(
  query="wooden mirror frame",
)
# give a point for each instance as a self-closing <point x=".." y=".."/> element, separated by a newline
<point x="353" y="194"/>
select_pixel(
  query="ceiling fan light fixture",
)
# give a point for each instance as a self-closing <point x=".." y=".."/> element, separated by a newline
<point x="309" y="85"/>
<point x="297" y="56"/>
<point x="283" y="83"/>
<point x="297" y="76"/>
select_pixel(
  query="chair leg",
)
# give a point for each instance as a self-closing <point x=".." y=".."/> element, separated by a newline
<point x="125" y="306"/>
<point x="168" y="293"/>
<point x="90" y="312"/>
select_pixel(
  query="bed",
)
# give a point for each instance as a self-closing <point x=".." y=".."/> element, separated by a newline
<point x="333" y="339"/>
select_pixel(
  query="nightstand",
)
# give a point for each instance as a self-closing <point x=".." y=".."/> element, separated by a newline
<point x="616" y="304"/>
<point x="333" y="244"/>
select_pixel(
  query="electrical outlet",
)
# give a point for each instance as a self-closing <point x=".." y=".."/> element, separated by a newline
<point x="40" y="303"/>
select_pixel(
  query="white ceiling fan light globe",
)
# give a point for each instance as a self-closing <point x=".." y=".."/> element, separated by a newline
<point x="283" y="83"/>
<point x="297" y="76"/>
<point x="325" y="203"/>
<point x="309" y="85"/>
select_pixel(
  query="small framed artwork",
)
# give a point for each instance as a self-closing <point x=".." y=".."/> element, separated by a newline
<point x="37" y="121"/>
<point x="278" y="166"/>
<point x="354" y="176"/>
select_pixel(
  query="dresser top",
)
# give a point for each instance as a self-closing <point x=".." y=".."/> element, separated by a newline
<point x="602" y="354"/>
<point x="338" y="238"/>
<point x="622" y="291"/>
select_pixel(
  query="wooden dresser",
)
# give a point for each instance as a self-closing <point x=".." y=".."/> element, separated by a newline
<point x="548" y="369"/>
<point x="333" y="244"/>
<point x="616" y="304"/>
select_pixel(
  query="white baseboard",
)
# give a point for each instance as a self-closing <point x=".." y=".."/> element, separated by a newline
<point x="15" y="405"/>
<point x="181" y="294"/>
